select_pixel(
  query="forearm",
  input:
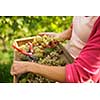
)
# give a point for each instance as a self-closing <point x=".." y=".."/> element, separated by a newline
<point x="50" y="72"/>
<point x="66" y="34"/>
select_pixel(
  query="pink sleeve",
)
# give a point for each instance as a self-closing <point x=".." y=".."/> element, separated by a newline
<point x="87" y="64"/>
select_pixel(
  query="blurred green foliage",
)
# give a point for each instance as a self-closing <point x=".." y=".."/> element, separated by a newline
<point x="13" y="27"/>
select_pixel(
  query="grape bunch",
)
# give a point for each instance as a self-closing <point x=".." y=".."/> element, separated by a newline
<point x="47" y="51"/>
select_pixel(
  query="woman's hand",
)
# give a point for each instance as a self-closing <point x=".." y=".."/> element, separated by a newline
<point x="20" y="67"/>
<point x="66" y="35"/>
<point x="54" y="73"/>
<point x="51" y="34"/>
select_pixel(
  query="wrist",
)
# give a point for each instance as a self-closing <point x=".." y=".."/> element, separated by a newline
<point x="62" y="36"/>
<point x="66" y="35"/>
<point x="28" y="66"/>
<point x="33" y="67"/>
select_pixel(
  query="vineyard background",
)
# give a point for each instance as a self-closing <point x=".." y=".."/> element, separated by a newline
<point x="14" y="27"/>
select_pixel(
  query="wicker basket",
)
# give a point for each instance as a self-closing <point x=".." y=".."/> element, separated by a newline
<point x="19" y="42"/>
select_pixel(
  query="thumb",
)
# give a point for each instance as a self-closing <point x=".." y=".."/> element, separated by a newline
<point x="42" y="34"/>
<point x="12" y="72"/>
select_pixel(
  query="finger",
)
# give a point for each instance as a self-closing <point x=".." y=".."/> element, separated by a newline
<point x="42" y="34"/>
<point x="45" y="33"/>
<point x="12" y="71"/>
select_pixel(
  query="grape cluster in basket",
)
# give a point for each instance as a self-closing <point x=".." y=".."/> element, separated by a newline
<point x="43" y="50"/>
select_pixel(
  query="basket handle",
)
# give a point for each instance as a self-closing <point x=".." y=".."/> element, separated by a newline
<point x="15" y="80"/>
